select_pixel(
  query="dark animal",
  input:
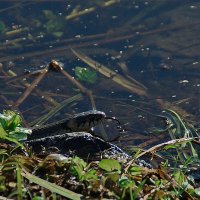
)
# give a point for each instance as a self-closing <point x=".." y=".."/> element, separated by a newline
<point x="72" y="135"/>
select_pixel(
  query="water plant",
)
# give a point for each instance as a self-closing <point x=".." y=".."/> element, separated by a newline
<point x="86" y="75"/>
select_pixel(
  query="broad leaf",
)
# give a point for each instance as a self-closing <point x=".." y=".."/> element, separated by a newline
<point x="110" y="165"/>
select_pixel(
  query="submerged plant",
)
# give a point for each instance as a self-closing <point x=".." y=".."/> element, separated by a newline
<point x="2" y="27"/>
<point x="55" y="24"/>
<point x="85" y="74"/>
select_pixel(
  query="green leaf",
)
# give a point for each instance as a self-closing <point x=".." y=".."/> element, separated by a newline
<point x="76" y="171"/>
<point x="38" y="198"/>
<point x="2" y="131"/>
<point x="3" y="152"/>
<point x="114" y="177"/>
<point x="78" y="161"/>
<point x="77" y="167"/>
<point x="2" y="183"/>
<point x="124" y="182"/>
<point x="20" y="133"/>
<point x="194" y="152"/>
<point x="16" y="121"/>
<point x="10" y="120"/>
<point x="51" y="186"/>
<point x="4" y="121"/>
<point x="179" y="177"/>
<point x="157" y="130"/>
<point x="85" y="74"/>
<point x="171" y="146"/>
<point x="19" y="136"/>
<point x="90" y="175"/>
<point x="10" y="127"/>
<point x="12" y="140"/>
<point x="109" y="165"/>
<point x="135" y="170"/>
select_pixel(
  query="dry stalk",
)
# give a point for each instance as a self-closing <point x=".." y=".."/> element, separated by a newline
<point x="31" y="87"/>
<point x="54" y="64"/>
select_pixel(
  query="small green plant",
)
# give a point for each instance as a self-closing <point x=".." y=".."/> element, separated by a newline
<point x="11" y="128"/>
<point x="81" y="170"/>
<point x="85" y="74"/>
<point x="126" y="184"/>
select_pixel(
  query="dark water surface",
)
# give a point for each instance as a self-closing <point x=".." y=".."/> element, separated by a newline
<point x="156" y="43"/>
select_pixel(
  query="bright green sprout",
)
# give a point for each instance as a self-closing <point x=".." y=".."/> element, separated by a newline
<point x="10" y="127"/>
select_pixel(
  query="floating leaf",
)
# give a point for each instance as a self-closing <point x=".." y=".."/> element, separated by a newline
<point x="2" y="131"/>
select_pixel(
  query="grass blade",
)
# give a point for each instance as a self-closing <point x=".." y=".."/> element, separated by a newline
<point x="51" y="186"/>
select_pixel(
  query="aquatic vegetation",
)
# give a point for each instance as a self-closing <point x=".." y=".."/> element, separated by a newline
<point x="55" y="24"/>
<point x="86" y="75"/>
